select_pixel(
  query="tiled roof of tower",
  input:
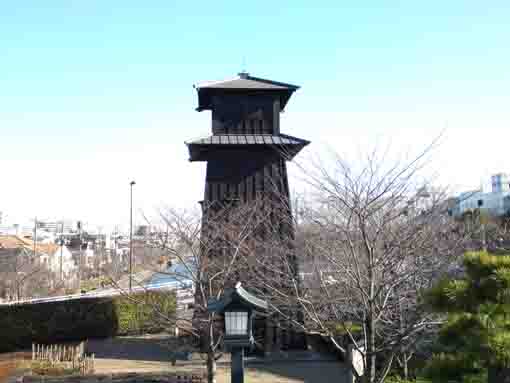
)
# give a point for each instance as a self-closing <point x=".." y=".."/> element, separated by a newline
<point x="249" y="139"/>
<point x="289" y="145"/>
<point x="243" y="82"/>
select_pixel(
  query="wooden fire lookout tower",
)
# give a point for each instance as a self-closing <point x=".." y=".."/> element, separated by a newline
<point x="246" y="154"/>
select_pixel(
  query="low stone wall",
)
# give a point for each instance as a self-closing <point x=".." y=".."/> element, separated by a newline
<point x="176" y="377"/>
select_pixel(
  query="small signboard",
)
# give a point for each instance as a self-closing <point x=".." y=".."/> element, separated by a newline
<point x="356" y="358"/>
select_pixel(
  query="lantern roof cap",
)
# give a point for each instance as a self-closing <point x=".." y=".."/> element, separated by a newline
<point x="237" y="295"/>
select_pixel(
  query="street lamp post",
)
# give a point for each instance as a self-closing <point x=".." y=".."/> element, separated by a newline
<point x="35" y="238"/>
<point x="61" y="251"/>
<point x="484" y="219"/>
<point x="131" y="236"/>
<point x="237" y="307"/>
<point x="79" y="255"/>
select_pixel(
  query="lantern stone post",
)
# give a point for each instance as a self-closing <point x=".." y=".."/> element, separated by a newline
<point x="237" y="307"/>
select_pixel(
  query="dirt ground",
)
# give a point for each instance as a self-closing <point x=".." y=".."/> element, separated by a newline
<point x="260" y="373"/>
<point x="265" y="373"/>
<point x="153" y="354"/>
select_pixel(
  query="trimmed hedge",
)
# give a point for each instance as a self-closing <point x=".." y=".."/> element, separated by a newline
<point x="80" y="319"/>
<point x="142" y="313"/>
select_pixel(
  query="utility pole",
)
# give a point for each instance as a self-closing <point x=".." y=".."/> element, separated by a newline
<point x="115" y="258"/>
<point x="61" y="251"/>
<point x="35" y="238"/>
<point x="149" y="242"/>
<point x="483" y="218"/>
<point x="100" y="260"/>
<point x="79" y="256"/>
<point x="131" y="236"/>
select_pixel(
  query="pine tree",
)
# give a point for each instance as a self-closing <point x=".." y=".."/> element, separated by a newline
<point x="476" y="336"/>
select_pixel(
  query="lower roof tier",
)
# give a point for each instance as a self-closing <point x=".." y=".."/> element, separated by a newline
<point x="200" y="149"/>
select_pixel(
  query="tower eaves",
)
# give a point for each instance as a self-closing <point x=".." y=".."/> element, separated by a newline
<point x="243" y="82"/>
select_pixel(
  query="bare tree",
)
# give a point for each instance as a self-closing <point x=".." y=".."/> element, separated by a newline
<point x="370" y="242"/>
<point x="211" y="251"/>
<point x="20" y="272"/>
<point x="489" y="232"/>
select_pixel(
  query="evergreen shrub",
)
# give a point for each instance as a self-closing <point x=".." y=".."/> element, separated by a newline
<point x="83" y="318"/>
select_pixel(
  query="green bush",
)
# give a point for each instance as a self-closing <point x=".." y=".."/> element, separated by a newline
<point x="398" y="379"/>
<point x="477" y="378"/>
<point x="141" y="314"/>
<point x="481" y="377"/>
<point x="340" y="329"/>
<point x="84" y="318"/>
<point x="476" y="336"/>
<point x="93" y="284"/>
<point x="446" y="367"/>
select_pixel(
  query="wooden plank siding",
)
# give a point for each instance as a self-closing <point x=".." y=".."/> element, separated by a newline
<point x="246" y="154"/>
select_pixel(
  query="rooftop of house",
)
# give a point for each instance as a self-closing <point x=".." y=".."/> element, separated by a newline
<point x="15" y="242"/>
<point x="10" y="242"/>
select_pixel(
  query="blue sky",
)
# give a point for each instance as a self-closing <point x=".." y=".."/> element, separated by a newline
<point x="94" y="93"/>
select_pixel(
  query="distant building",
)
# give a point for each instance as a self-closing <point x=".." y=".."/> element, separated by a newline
<point x="14" y="242"/>
<point x="60" y="260"/>
<point x="496" y="202"/>
<point x="67" y="226"/>
<point x="89" y="255"/>
<point x="500" y="183"/>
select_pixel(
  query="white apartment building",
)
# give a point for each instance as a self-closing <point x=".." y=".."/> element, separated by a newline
<point x="496" y="202"/>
